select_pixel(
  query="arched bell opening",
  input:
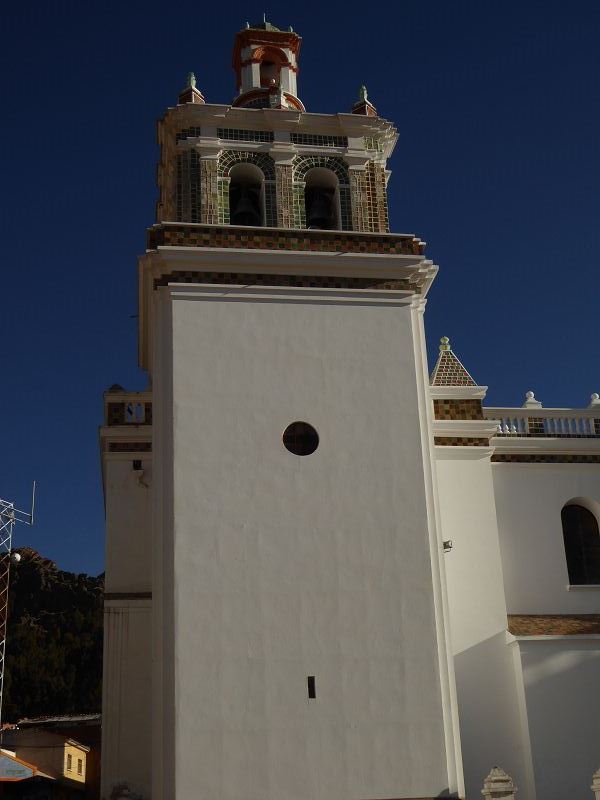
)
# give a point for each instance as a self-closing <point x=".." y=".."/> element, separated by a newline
<point x="269" y="73"/>
<point x="322" y="200"/>
<point x="247" y="195"/>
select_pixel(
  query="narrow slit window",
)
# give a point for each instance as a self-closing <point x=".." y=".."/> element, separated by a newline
<point x="312" y="689"/>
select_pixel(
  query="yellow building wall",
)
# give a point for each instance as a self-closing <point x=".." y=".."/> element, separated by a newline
<point x="77" y="755"/>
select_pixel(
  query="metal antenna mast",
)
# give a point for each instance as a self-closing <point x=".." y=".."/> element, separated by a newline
<point x="8" y="516"/>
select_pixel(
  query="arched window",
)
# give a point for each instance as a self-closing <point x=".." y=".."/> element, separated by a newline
<point x="582" y="544"/>
<point x="322" y="192"/>
<point x="246" y="195"/>
<point x="269" y="73"/>
<point x="322" y="200"/>
<point x="271" y="60"/>
<point x="246" y="189"/>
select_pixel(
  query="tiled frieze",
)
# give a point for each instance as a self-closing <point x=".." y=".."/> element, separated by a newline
<point x="284" y="181"/>
<point x="546" y="458"/>
<point x="209" y="187"/>
<point x="274" y="239"/>
<point x="462" y="441"/>
<point x="553" y="624"/>
<point x="267" y="279"/>
<point x="457" y="409"/>
<point x="129" y="447"/>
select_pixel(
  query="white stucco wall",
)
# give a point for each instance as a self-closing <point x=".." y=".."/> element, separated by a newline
<point x="286" y="566"/>
<point x="128" y="524"/>
<point x="529" y="499"/>
<point x="493" y="725"/>
<point x="127" y="661"/>
<point x="127" y="696"/>
<point x="563" y="707"/>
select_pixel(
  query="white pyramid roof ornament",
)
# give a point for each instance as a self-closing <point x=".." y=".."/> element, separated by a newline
<point x="448" y="370"/>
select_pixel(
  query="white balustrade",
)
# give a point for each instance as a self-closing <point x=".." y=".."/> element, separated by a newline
<point x="548" y="422"/>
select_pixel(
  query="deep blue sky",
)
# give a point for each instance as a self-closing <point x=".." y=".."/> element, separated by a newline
<point x="497" y="168"/>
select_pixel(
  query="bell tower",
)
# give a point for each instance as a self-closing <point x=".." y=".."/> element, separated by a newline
<point x="265" y="61"/>
<point x="299" y="622"/>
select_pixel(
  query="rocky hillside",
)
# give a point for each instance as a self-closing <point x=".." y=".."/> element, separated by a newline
<point x="54" y="640"/>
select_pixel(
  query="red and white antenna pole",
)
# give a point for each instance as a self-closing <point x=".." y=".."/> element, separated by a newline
<point x="8" y="516"/>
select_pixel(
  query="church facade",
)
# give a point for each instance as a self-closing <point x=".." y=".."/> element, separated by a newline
<point x="330" y="573"/>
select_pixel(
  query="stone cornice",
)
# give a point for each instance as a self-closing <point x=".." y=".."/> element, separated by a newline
<point x="519" y="445"/>
<point x="457" y="392"/>
<point x="465" y="427"/>
<point x="215" y="115"/>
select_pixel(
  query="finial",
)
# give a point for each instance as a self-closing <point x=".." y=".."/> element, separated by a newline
<point x="290" y="29"/>
<point x="265" y="17"/>
<point x="362" y="94"/>
<point x="530" y="401"/>
<point x="247" y="25"/>
<point x="191" y="80"/>
<point x="595" y="399"/>
<point x="444" y="344"/>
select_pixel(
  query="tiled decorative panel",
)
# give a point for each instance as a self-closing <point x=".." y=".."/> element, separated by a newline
<point x="209" y="191"/>
<point x="358" y="192"/>
<point x="371" y="143"/>
<point x="130" y="447"/>
<point x="188" y="186"/>
<point x="115" y="414"/>
<point x="457" y="409"/>
<point x="319" y="140"/>
<point x="545" y="458"/>
<point x="170" y="234"/>
<point x="376" y="198"/>
<point x="553" y="624"/>
<point x="284" y="180"/>
<point x="240" y="135"/>
<point x="187" y="133"/>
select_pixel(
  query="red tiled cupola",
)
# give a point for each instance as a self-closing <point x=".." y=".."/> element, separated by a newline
<point x="265" y="60"/>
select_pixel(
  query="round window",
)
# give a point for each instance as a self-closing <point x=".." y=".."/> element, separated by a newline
<point x="300" y="438"/>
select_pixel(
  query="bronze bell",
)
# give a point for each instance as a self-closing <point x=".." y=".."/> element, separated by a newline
<point x="320" y="208"/>
<point x="244" y="204"/>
